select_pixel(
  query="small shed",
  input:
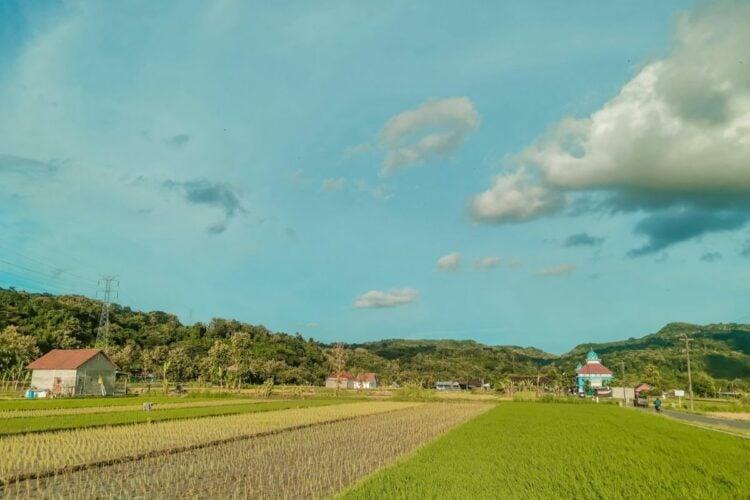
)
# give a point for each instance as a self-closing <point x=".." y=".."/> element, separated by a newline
<point x="68" y="372"/>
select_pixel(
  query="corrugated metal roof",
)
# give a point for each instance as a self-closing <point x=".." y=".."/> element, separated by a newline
<point x="65" y="359"/>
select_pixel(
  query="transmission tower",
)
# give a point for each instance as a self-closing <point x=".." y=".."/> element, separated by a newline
<point x="107" y="289"/>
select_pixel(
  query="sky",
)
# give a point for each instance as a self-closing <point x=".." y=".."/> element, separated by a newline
<point x="529" y="173"/>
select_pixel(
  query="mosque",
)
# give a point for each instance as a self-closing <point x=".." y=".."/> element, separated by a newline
<point x="598" y="375"/>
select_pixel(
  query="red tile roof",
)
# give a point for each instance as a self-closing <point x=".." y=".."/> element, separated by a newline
<point x="342" y="375"/>
<point x="594" y="369"/>
<point x="64" y="359"/>
<point x="366" y="377"/>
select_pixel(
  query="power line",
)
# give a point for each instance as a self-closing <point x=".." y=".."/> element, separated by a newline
<point x="55" y="269"/>
<point x="43" y="274"/>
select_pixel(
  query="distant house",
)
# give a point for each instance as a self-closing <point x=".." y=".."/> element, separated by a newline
<point x="343" y="380"/>
<point x="366" y="381"/>
<point x="594" y="372"/>
<point x="643" y="387"/>
<point x="447" y="385"/>
<point x="68" y="372"/>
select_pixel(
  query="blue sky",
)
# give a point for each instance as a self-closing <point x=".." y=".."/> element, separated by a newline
<point x="527" y="173"/>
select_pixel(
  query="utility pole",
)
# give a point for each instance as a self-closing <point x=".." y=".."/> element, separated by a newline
<point x="107" y="286"/>
<point x="624" y="389"/>
<point x="690" y="377"/>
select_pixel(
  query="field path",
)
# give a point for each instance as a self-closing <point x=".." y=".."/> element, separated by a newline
<point x="705" y="419"/>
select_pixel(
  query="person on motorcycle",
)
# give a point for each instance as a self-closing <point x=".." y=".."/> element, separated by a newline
<point x="657" y="405"/>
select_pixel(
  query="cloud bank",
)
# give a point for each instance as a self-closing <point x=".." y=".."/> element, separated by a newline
<point x="676" y="137"/>
<point x="392" y="298"/>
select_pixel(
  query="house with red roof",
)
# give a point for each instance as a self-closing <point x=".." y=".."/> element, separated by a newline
<point x="594" y="372"/>
<point x="366" y="381"/>
<point x="73" y="372"/>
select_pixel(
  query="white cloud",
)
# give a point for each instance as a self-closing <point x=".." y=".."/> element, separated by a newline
<point x="432" y="131"/>
<point x="359" y="149"/>
<point x="678" y="132"/>
<point x="297" y="177"/>
<point x="377" y="192"/>
<point x="450" y="262"/>
<point x="556" y="271"/>
<point x="488" y="262"/>
<point x="333" y="184"/>
<point x="514" y="198"/>
<point x="392" y="298"/>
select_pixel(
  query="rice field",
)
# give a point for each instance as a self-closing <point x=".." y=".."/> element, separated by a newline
<point x="41" y="422"/>
<point x="302" y="463"/>
<point x="41" y="454"/>
<point x="380" y="449"/>
<point x="532" y="450"/>
<point x="89" y="410"/>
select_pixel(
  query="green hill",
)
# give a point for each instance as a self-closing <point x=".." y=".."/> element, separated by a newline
<point x="227" y="351"/>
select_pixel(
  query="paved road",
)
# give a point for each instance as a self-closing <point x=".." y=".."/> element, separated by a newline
<point x="704" y="419"/>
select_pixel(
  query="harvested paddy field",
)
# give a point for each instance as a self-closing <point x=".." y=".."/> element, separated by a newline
<point x="42" y="454"/>
<point x="309" y="462"/>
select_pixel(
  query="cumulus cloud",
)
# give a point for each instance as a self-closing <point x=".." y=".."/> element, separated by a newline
<point x="450" y="262"/>
<point x="514" y="198"/>
<point x="556" y="271"/>
<point x="392" y="298"/>
<point x="583" y="240"/>
<point x="432" y="131"/>
<point x="487" y="262"/>
<point x="667" y="228"/>
<point x="676" y="135"/>
<point x="333" y="184"/>
<point x="205" y="192"/>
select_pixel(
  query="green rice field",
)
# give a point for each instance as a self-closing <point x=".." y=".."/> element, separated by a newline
<point x="531" y="450"/>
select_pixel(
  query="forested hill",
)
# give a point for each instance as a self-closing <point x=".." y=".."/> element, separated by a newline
<point x="223" y="350"/>
<point x="719" y="355"/>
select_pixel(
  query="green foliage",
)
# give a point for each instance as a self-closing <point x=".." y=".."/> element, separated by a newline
<point x="142" y="343"/>
<point x="16" y="349"/>
<point x="229" y="353"/>
<point x="527" y="450"/>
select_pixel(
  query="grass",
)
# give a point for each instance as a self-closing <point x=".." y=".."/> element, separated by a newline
<point x="91" y="402"/>
<point x="302" y="463"/>
<point x="530" y="450"/>
<point x="46" y="423"/>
